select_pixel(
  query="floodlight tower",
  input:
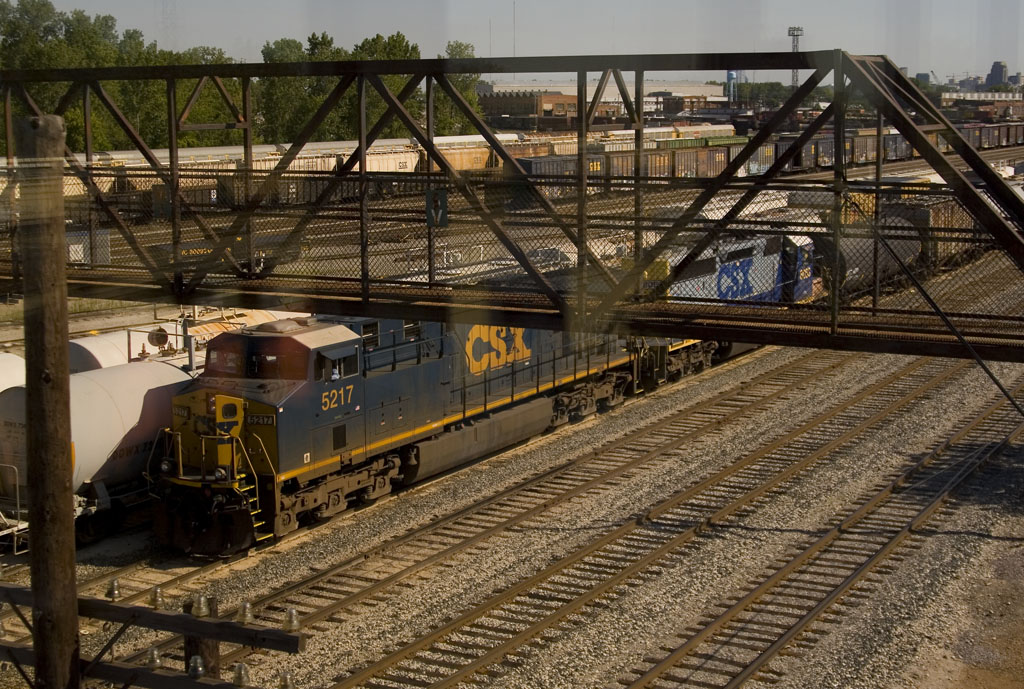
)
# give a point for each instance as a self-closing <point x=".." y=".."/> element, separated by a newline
<point x="796" y="32"/>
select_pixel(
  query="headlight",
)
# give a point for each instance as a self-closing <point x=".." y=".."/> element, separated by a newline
<point x="165" y="466"/>
<point x="220" y="474"/>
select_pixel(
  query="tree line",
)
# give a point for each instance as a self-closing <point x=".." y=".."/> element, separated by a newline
<point x="34" y="35"/>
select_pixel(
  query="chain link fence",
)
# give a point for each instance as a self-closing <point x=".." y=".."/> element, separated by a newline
<point x="778" y="254"/>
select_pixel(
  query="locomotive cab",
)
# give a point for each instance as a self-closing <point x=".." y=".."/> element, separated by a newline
<point x="274" y="401"/>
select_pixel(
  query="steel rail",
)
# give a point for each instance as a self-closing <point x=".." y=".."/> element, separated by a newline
<point x="461" y="671"/>
<point x="963" y="467"/>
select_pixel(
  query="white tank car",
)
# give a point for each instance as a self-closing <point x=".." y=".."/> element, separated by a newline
<point x="12" y="370"/>
<point x="116" y="413"/>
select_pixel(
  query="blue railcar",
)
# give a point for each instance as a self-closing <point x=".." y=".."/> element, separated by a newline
<point x="771" y="269"/>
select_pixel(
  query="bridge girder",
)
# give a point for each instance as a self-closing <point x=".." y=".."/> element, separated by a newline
<point x="629" y="249"/>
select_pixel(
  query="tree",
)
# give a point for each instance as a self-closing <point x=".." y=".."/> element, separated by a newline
<point x="394" y="47"/>
<point x="285" y="104"/>
<point x="282" y="105"/>
<point x="448" y="118"/>
<point x="35" y="35"/>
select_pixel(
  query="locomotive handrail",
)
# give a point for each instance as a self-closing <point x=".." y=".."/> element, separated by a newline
<point x="149" y="460"/>
<point x="266" y="454"/>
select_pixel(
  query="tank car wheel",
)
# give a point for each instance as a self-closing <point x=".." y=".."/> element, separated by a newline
<point x="91" y="528"/>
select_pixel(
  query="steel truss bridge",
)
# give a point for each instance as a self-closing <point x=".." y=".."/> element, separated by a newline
<point x="913" y="267"/>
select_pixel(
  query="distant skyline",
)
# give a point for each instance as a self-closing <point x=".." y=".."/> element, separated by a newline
<point x="947" y="36"/>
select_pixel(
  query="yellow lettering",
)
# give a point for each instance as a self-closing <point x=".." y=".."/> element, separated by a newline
<point x="499" y="351"/>
<point x="477" y="360"/>
<point x="494" y="347"/>
<point x="520" y="352"/>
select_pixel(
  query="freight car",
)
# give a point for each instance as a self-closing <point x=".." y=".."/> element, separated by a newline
<point x="269" y="250"/>
<point x="212" y="179"/>
<point x="115" y="414"/>
<point x="301" y="418"/>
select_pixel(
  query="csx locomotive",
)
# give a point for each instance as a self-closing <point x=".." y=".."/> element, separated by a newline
<point x="299" y="419"/>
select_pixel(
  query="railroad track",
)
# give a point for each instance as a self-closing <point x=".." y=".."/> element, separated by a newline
<point x="533" y="610"/>
<point x="830" y="574"/>
<point x="137" y="584"/>
<point x="340" y="591"/>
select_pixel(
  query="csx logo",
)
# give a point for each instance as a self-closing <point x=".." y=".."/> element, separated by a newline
<point x="493" y="346"/>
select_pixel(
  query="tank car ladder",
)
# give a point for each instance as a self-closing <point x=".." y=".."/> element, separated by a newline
<point x="11" y="524"/>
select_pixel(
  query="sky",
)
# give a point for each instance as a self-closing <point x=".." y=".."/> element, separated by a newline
<point x="944" y="36"/>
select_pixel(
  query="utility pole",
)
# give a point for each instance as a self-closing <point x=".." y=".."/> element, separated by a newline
<point x="39" y="143"/>
<point x="796" y="32"/>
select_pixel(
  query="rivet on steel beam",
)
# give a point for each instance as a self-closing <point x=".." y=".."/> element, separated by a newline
<point x="241" y="676"/>
<point x="156" y="598"/>
<point x="153" y="660"/>
<point x="114" y="589"/>
<point x="291" y="621"/>
<point x="245" y="615"/>
<point x="196" y="667"/>
<point x="201" y="607"/>
<point x="286" y="681"/>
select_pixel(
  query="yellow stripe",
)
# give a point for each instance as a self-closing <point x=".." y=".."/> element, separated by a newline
<point x="454" y="418"/>
<point x="679" y="345"/>
<point x="295" y="472"/>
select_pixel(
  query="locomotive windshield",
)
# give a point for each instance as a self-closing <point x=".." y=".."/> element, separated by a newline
<point x="237" y="356"/>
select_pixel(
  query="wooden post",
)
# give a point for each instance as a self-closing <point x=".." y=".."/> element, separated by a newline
<point x="39" y="143"/>
<point x="207" y="649"/>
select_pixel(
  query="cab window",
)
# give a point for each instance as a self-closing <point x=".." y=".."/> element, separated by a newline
<point x="272" y="358"/>
<point x="327" y="369"/>
<point x="349" y="365"/>
<point x="224" y="362"/>
<point x="371" y="334"/>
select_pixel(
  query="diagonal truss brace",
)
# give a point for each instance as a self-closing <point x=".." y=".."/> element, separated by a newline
<point x="909" y="274"/>
<point x="254" y="201"/>
<point x="140" y="251"/>
<point x="517" y="170"/>
<point x="749" y="195"/>
<point x="470" y="196"/>
<point x="336" y="180"/>
<point x="161" y="171"/>
<point x="642" y="264"/>
<point x="865" y="77"/>
<point x="239" y="119"/>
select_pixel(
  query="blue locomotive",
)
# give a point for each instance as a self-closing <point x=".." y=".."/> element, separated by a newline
<point x="299" y="419"/>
